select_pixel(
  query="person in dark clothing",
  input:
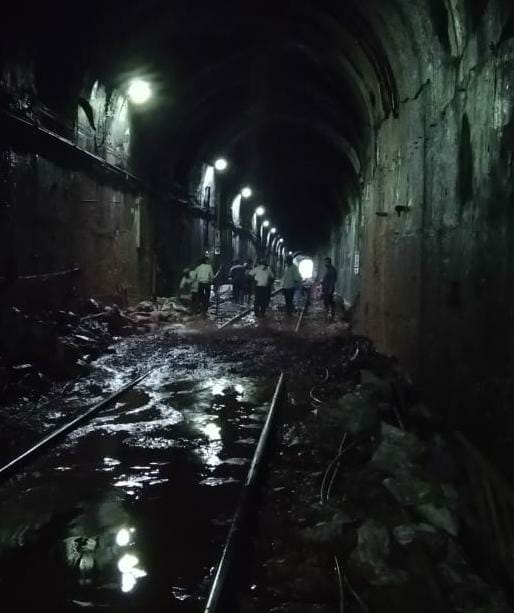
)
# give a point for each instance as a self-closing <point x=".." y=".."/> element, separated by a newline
<point x="238" y="279"/>
<point x="248" y="284"/>
<point x="328" y="287"/>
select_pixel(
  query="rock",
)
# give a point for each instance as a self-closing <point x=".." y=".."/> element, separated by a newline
<point x="353" y="414"/>
<point x="434" y="540"/>
<point x="20" y="370"/>
<point x="397" y="451"/>
<point x="408" y="490"/>
<point x="115" y="320"/>
<point x="92" y="306"/>
<point x="468" y="592"/>
<point x="145" y="306"/>
<point x="379" y="388"/>
<point x="440" y="516"/>
<point x="370" y="556"/>
<point x="324" y="533"/>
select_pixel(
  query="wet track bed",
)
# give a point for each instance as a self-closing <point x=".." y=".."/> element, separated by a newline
<point x="131" y="510"/>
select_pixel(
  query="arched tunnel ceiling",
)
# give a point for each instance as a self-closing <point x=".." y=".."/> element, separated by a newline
<point x="291" y="92"/>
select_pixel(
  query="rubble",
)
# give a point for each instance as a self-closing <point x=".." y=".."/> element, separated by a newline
<point x="395" y="507"/>
<point x="37" y="348"/>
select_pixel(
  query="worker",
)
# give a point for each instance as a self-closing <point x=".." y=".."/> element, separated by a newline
<point x="237" y="277"/>
<point x="328" y="287"/>
<point x="263" y="279"/>
<point x="248" y="284"/>
<point x="204" y="277"/>
<point x="291" y="281"/>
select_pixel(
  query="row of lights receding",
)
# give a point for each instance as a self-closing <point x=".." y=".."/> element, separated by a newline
<point x="221" y="164"/>
<point x="139" y="92"/>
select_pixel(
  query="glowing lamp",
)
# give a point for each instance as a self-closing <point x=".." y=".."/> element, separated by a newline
<point x="139" y="91"/>
<point x="220" y="164"/>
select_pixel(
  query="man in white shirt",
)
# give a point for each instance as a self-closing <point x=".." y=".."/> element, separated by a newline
<point x="204" y="277"/>
<point x="263" y="278"/>
<point x="291" y="281"/>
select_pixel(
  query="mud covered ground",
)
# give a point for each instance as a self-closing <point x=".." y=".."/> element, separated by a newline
<point x="360" y="478"/>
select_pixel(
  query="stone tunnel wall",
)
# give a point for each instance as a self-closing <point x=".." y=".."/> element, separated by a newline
<point x="437" y="229"/>
<point x="54" y="220"/>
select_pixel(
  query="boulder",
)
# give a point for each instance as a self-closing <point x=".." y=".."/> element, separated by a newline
<point x="353" y="414"/>
<point x="397" y="451"/>
<point x="369" y="559"/>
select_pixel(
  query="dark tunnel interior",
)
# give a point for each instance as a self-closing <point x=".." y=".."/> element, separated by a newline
<point x="376" y="133"/>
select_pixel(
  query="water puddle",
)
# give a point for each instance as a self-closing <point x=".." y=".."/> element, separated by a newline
<point x="122" y="515"/>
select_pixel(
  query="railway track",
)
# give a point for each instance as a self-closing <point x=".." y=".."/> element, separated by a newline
<point x="118" y="485"/>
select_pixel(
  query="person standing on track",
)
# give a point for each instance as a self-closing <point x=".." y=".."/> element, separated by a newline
<point x="204" y="277"/>
<point x="291" y="281"/>
<point x="328" y="287"/>
<point x="263" y="278"/>
<point x="237" y="276"/>
<point x="248" y="286"/>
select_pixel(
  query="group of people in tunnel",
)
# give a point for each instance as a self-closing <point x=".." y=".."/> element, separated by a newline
<point x="257" y="280"/>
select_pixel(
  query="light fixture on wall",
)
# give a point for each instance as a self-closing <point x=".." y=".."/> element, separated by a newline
<point x="139" y="91"/>
<point x="221" y="164"/>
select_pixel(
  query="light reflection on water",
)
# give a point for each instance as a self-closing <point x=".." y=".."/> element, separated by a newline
<point x="130" y="573"/>
<point x="101" y="546"/>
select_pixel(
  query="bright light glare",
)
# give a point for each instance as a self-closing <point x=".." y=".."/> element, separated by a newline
<point x="273" y="230"/>
<point x="220" y="164"/>
<point x="281" y="240"/>
<point x="212" y="431"/>
<point x="139" y="91"/>
<point x="246" y="192"/>
<point x="127" y="562"/>
<point x="306" y="268"/>
<point x="128" y="582"/>
<point x="123" y="537"/>
<point x="259" y="211"/>
<point x="265" y="223"/>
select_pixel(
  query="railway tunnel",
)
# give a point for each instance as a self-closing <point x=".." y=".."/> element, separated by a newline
<point x="137" y="138"/>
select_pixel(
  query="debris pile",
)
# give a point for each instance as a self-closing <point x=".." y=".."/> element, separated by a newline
<point x="38" y="349"/>
<point x="351" y="488"/>
<point x="149" y="316"/>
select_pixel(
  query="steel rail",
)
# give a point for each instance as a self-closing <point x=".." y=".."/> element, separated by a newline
<point x="302" y="313"/>
<point x="245" y="312"/>
<point x="30" y="454"/>
<point x="227" y="557"/>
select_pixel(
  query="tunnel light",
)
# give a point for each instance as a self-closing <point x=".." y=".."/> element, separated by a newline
<point x="265" y="223"/>
<point x="290" y="253"/>
<point x="280" y="240"/>
<point x="139" y="91"/>
<point x="246" y="192"/>
<point x="221" y="164"/>
<point x="306" y="268"/>
<point x="259" y="211"/>
<point x="273" y="231"/>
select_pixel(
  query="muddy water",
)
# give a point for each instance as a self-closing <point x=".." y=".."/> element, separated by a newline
<point x="131" y="511"/>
